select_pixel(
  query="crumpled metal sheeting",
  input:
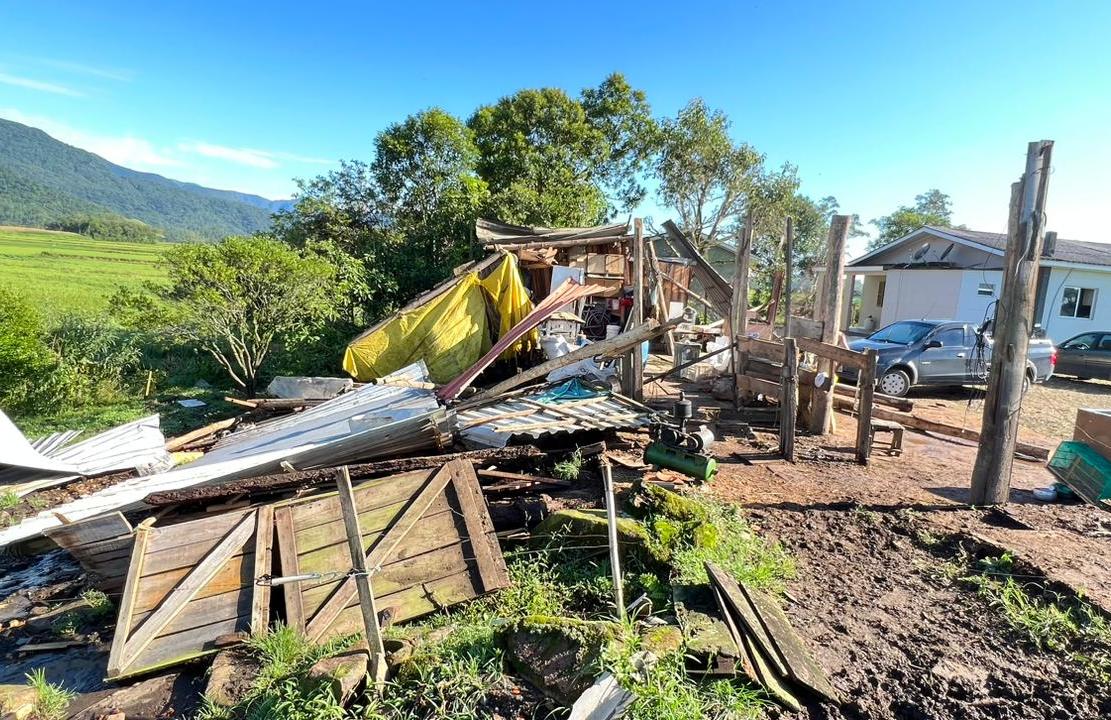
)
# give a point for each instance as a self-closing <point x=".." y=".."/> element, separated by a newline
<point x="384" y="421"/>
<point x="494" y="424"/>
<point x="385" y="402"/>
<point x="137" y="445"/>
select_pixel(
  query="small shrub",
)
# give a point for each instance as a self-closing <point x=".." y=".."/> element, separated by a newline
<point x="8" y="500"/>
<point x="51" y="701"/>
<point x="569" y="468"/>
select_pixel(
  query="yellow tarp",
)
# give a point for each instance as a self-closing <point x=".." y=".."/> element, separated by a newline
<point x="450" y="332"/>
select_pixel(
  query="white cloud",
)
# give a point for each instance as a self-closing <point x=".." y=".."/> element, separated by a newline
<point x="251" y="157"/>
<point x="127" y="150"/>
<point x="116" y="74"/>
<point x="30" y="84"/>
<point x="239" y="156"/>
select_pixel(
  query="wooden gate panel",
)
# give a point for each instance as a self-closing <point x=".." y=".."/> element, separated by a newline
<point x="421" y="530"/>
<point x="187" y="585"/>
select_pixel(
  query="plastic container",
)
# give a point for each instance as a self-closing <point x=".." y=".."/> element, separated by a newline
<point x="554" y="346"/>
<point x="612" y="331"/>
<point x="1045" y="494"/>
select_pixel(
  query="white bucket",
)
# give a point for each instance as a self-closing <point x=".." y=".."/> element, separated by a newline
<point x="554" y="346"/>
<point x="612" y="331"/>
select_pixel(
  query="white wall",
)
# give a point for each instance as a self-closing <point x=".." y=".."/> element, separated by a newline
<point x="971" y="305"/>
<point x="921" y="294"/>
<point x="1062" y="328"/>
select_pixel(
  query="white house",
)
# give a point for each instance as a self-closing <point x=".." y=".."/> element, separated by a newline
<point x="946" y="273"/>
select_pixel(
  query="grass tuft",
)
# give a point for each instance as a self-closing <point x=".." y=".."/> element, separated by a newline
<point x="8" y="500"/>
<point x="570" y="468"/>
<point x="51" y="701"/>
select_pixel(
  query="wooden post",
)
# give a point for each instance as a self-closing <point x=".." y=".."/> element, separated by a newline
<point x="362" y="579"/>
<point x="828" y="310"/>
<point x="866" y="392"/>
<point x="788" y="272"/>
<point x="611" y="525"/>
<point x="1011" y="330"/>
<point x="661" y="301"/>
<point x="635" y="363"/>
<point x="738" y="312"/>
<point x="788" y="399"/>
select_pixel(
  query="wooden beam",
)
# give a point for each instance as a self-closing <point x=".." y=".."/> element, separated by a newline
<point x="177" y="443"/>
<point x="788" y="399"/>
<point x="636" y="364"/>
<point x="920" y="423"/>
<point x="828" y="311"/>
<point x="836" y="353"/>
<point x="574" y="242"/>
<point x="764" y="349"/>
<point x="688" y="291"/>
<point x="1011" y="331"/>
<point x="602" y="348"/>
<point x="362" y="578"/>
<point x="866" y="387"/>
<point x="611" y="533"/>
<point x="661" y="302"/>
<point x="738" y="316"/>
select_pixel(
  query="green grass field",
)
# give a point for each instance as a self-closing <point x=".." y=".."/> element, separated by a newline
<point x="62" y="272"/>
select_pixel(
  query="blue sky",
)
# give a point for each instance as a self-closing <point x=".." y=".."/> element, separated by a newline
<point x="874" y="101"/>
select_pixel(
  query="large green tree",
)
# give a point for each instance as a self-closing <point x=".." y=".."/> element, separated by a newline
<point x="932" y="207"/>
<point x="707" y="178"/>
<point x="397" y="224"/>
<point x="234" y="299"/>
<point x="549" y="159"/>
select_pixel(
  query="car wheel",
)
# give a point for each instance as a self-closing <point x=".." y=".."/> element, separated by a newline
<point x="1025" y="384"/>
<point x="895" y="383"/>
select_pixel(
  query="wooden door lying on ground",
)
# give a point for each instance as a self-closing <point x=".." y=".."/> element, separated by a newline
<point x="429" y="543"/>
<point x="188" y="586"/>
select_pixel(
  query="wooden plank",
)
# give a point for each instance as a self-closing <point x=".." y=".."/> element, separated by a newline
<point x="179" y="442"/>
<point x="180" y="596"/>
<point x="836" y="353"/>
<point x="264" y="540"/>
<point x="756" y="385"/>
<point x="731" y="592"/>
<point x="417" y="600"/>
<point x="866" y="386"/>
<point x="491" y="474"/>
<point x="775" y="684"/>
<point x="287" y="557"/>
<point x="172" y="649"/>
<point x="800" y="664"/>
<point x="92" y="530"/>
<point x="127" y="600"/>
<point x="372" y="522"/>
<point x="480" y="529"/>
<point x="369" y="496"/>
<point x="738" y="312"/>
<point x="921" y="423"/>
<point x="236" y="571"/>
<point x="763" y="349"/>
<point x="371" y="630"/>
<point x="385" y="544"/>
<point x="231" y="604"/>
<point x="402" y="573"/>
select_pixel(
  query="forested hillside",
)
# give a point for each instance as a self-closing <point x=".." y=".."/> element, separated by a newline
<point x="44" y="181"/>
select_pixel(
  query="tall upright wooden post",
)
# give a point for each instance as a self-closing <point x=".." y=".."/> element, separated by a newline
<point x="788" y="398"/>
<point x="1011" y="330"/>
<point x="635" y="386"/>
<point x="788" y="271"/>
<point x="827" y="306"/>
<point x="738" y="311"/>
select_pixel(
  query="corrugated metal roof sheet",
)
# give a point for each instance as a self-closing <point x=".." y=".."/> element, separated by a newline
<point x="494" y="424"/>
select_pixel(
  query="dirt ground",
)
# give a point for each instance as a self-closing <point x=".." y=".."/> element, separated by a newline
<point x="898" y="637"/>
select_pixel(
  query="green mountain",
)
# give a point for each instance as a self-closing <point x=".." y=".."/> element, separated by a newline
<point x="43" y="180"/>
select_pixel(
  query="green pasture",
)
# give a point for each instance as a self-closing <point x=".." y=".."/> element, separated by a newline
<point x="62" y="272"/>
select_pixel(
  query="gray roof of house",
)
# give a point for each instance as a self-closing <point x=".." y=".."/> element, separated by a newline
<point x="1075" y="251"/>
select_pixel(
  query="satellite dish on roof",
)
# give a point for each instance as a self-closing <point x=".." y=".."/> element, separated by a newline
<point x="921" y="252"/>
<point x="946" y="251"/>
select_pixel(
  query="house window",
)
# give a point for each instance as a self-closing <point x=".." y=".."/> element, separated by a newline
<point x="880" y="292"/>
<point x="1078" y="302"/>
<point x="986" y="289"/>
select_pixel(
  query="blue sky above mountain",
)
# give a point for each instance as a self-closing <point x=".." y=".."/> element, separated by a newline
<point x="874" y="101"/>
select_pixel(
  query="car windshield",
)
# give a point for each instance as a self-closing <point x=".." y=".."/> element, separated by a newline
<point x="902" y="333"/>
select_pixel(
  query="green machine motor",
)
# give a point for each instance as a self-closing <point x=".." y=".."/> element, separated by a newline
<point x="675" y="448"/>
<point x="698" y="466"/>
